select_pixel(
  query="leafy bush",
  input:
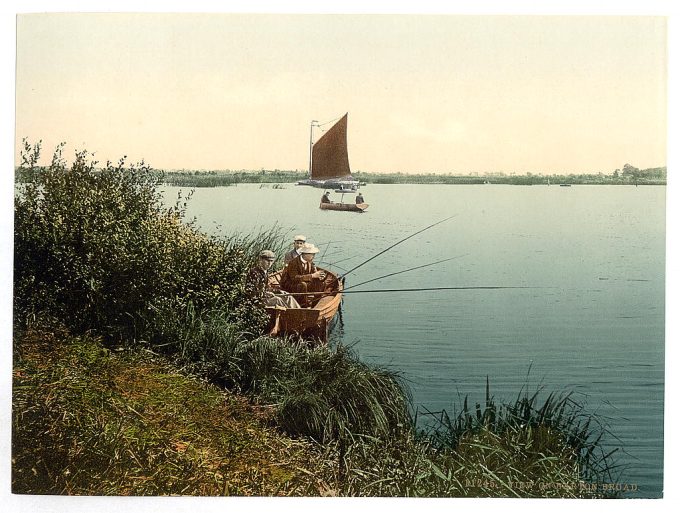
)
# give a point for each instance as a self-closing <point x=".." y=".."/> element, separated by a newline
<point x="98" y="247"/>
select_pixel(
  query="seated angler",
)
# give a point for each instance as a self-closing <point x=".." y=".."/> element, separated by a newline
<point x="298" y="242"/>
<point x="302" y="278"/>
<point x="258" y="284"/>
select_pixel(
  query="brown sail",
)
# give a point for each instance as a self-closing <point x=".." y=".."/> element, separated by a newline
<point x="329" y="153"/>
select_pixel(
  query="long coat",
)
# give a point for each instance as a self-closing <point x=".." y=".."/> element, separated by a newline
<point x="295" y="278"/>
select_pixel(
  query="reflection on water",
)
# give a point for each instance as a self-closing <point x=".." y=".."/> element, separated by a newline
<point x="592" y="321"/>
<point x="336" y="332"/>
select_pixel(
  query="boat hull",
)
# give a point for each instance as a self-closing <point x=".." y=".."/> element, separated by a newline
<point x="345" y="207"/>
<point x="310" y="323"/>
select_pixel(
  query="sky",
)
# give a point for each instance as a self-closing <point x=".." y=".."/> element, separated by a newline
<point x="424" y="93"/>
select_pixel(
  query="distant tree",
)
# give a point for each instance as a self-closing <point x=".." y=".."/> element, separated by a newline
<point x="629" y="170"/>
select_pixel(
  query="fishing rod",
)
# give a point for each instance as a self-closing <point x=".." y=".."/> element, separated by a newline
<point x="440" y="288"/>
<point x="328" y="245"/>
<point x="395" y="244"/>
<point x="332" y="265"/>
<point x="330" y="242"/>
<point x="406" y="271"/>
<point x="341" y="260"/>
<point x="424" y="289"/>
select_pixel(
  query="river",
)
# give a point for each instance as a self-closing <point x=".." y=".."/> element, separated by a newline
<point x="591" y="320"/>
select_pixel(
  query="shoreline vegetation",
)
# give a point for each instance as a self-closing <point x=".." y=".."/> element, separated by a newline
<point x="627" y="175"/>
<point x="140" y="368"/>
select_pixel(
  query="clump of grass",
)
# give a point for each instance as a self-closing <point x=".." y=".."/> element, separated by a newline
<point x="322" y="392"/>
<point x="318" y="390"/>
<point x="558" y="426"/>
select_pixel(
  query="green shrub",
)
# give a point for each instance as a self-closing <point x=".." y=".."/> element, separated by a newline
<point x="98" y="247"/>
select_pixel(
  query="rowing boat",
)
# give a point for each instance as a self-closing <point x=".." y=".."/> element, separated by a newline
<point x="312" y="322"/>
<point x="348" y="207"/>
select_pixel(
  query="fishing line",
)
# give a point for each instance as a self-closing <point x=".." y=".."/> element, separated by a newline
<point x="346" y="258"/>
<point x="406" y="270"/>
<point x="397" y="243"/>
<point x="332" y="265"/>
<point x="425" y="289"/>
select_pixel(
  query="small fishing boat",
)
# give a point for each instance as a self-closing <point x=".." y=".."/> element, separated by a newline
<point x="313" y="322"/>
<point x="565" y="185"/>
<point x="347" y="207"/>
<point x="328" y="160"/>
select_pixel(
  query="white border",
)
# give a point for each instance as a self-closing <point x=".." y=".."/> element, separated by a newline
<point x="48" y="504"/>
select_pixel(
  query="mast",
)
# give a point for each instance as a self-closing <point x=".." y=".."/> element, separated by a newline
<point x="311" y="131"/>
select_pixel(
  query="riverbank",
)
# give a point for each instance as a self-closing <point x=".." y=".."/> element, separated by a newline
<point x="633" y="176"/>
<point x="225" y="178"/>
<point x="89" y="420"/>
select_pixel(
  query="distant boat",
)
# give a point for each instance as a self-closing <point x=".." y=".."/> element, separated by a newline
<point x="328" y="160"/>
<point x="565" y="185"/>
<point x="347" y="207"/>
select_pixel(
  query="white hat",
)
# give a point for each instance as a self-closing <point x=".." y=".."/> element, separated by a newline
<point x="309" y="248"/>
<point x="299" y="238"/>
<point x="269" y="255"/>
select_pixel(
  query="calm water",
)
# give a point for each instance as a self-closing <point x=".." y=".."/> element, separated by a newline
<point x="593" y="325"/>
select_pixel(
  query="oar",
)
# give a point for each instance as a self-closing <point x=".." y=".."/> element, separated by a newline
<point x="405" y="271"/>
<point x="395" y="244"/>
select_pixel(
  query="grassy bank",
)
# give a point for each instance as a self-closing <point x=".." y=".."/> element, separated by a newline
<point x="88" y="420"/>
<point x="115" y="294"/>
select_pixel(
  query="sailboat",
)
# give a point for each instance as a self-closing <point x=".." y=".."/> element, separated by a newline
<point x="328" y="160"/>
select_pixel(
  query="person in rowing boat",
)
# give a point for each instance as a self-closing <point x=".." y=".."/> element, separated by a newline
<point x="302" y="277"/>
<point x="326" y="197"/>
<point x="359" y="198"/>
<point x="298" y="242"/>
<point x="258" y="284"/>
